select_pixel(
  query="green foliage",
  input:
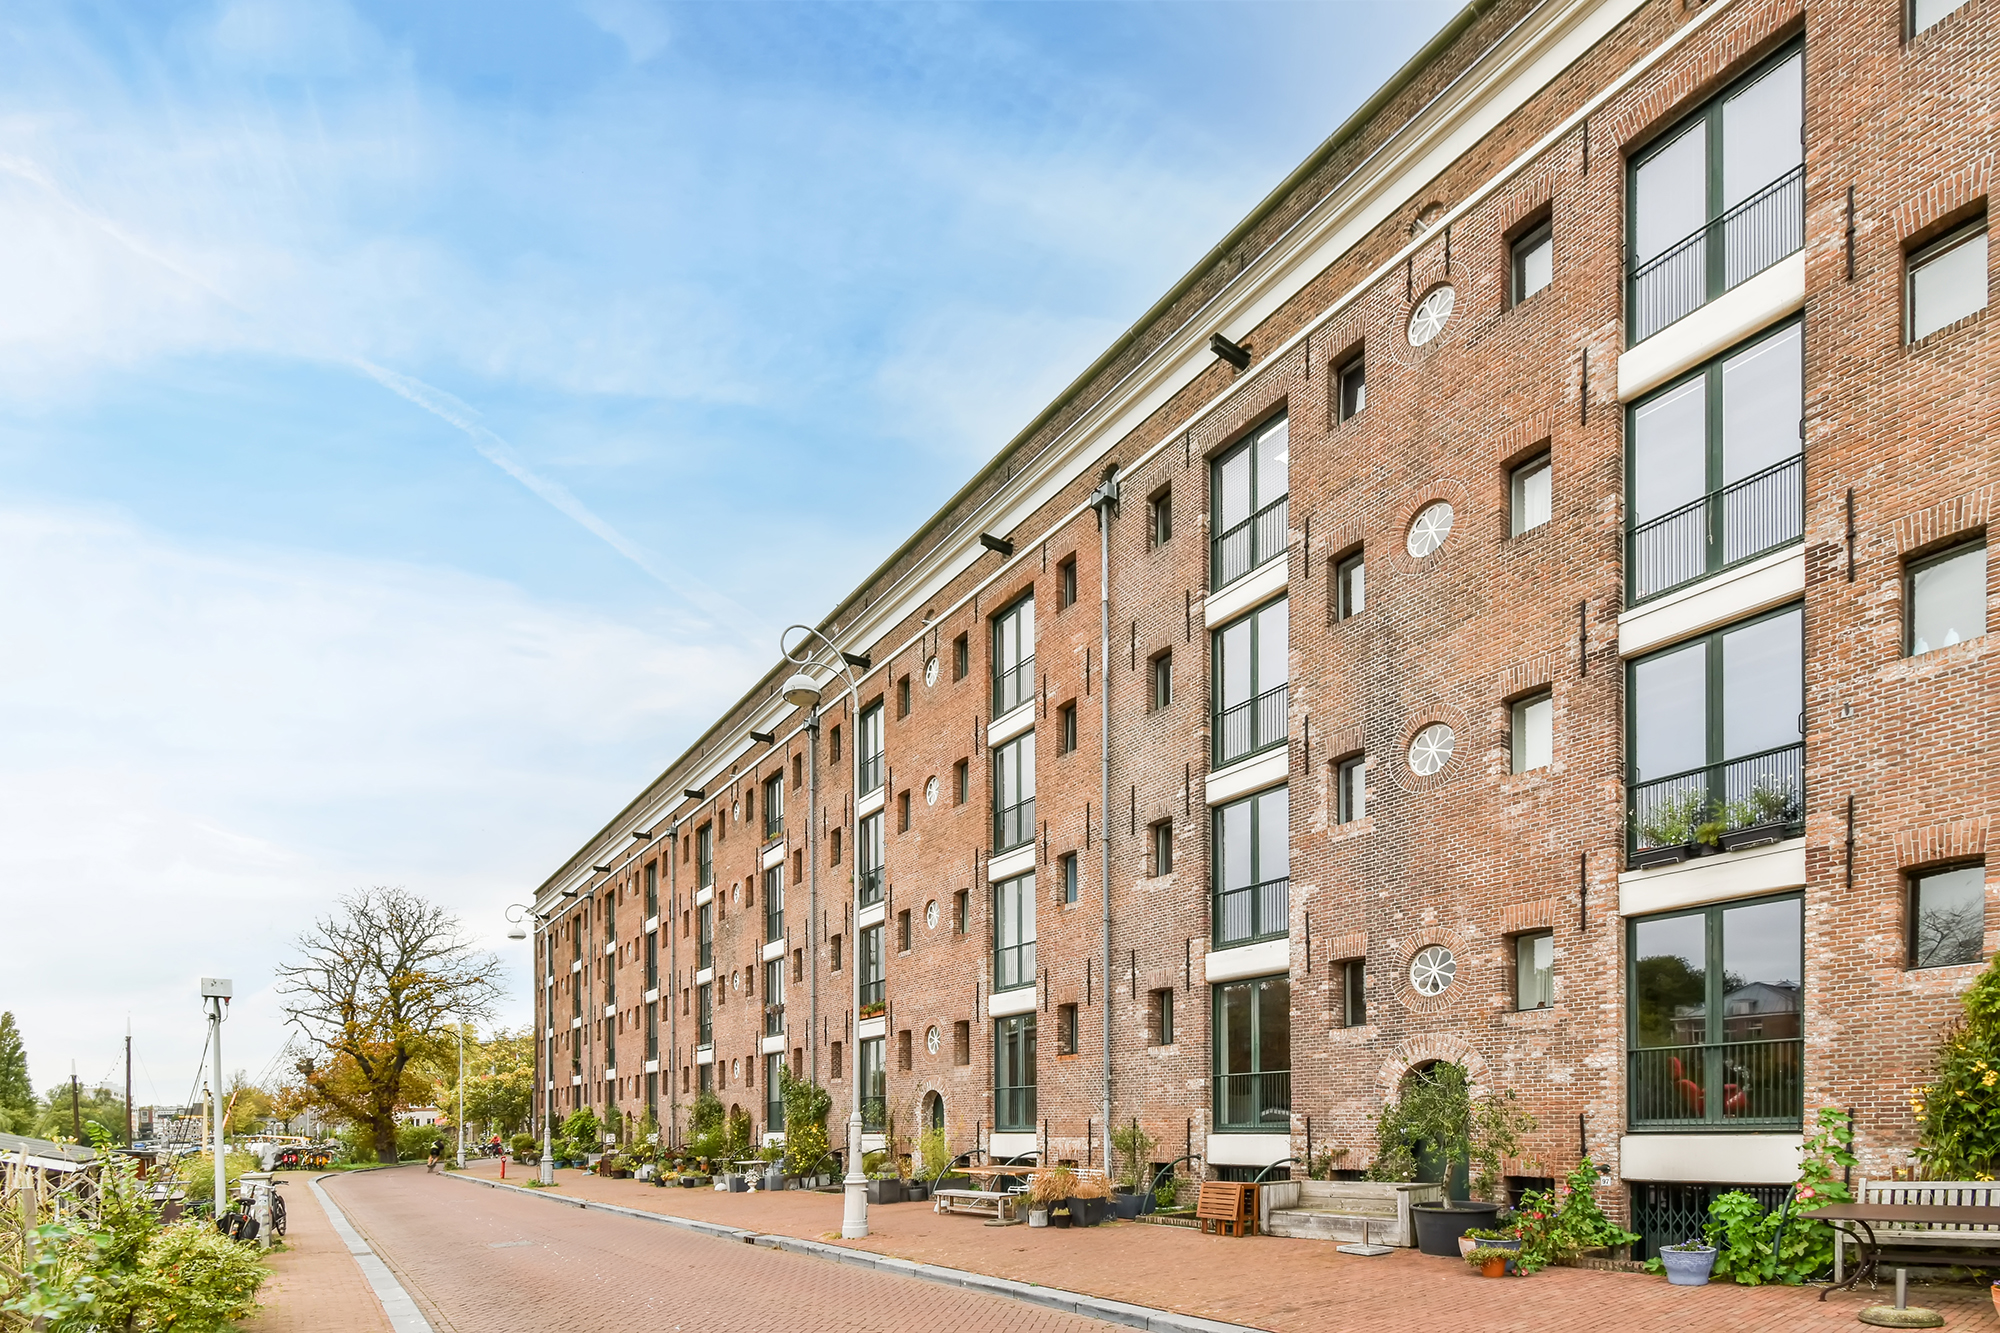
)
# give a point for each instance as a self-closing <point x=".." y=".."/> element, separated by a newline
<point x="1436" y="1112"/>
<point x="706" y="1136"/>
<point x="806" y="1108"/>
<point x="1556" y="1226"/>
<point x="1133" y="1149"/>
<point x="525" y="1147"/>
<point x="197" y="1173"/>
<point x="100" y="1106"/>
<point x="1748" y="1246"/>
<point x="583" y="1126"/>
<point x="934" y="1153"/>
<point x="1958" y="1111"/>
<point x="737" y="1131"/>
<point x="1673" y="818"/>
<point x="17" y="1094"/>
<point x="1166" y="1192"/>
<point x="1481" y="1255"/>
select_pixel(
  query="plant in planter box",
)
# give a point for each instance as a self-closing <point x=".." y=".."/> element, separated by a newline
<point x="1489" y="1261"/>
<point x="934" y="1155"/>
<point x="1555" y="1226"/>
<point x="737" y="1132"/>
<point x="1671" y="820"/>
<point x="1166" y="1191"/>
<point x="1050" y="1186"/>
<point x="1436" y="1115"/>
<point x="1089" y="1200"/>
<point x="1761" y="814"/>
<point x="1133" y="1149"/>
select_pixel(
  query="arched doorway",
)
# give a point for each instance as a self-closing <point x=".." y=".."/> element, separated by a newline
<point x="1430" y="1164"/>
<point x="932" y="1110"/>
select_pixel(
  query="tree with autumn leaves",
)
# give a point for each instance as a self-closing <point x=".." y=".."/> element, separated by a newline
<point x="377" y="993"/>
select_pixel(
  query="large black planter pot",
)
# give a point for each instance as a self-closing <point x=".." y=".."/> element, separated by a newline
<point x="1089" y="1212"/>
<point x="1127" y="1205"/>
<point x="1439" y="1227"/>
<point x="885" y="1191"/>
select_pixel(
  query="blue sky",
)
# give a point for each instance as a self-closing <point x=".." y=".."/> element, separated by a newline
<point x="416" y="420"/>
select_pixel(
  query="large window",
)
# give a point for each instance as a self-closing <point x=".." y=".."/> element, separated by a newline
<point x="874" y="981"/>
<point x="1720" y="198"/>
<point x="774" y="902"/>
<point x="868" y="858"/>
<point x="1946" y="595"/>
<point x="1948" y="916"/>
<point x="1014" y="656"/>
<point x="1248" y="486"/>
<point x="869" y="738"/>
<point x="1716" y="1016"/>
<point x="1252" y="661"/>
<point x="1014" y="1073"/>
<point x="1717" y="730"/>
<point x="705" y="1014"/>
<point x="704" y="856"/>
<point x="1253" y="1055"/>
<point x="1717" y="473"/>
<point x="705" y="935"/>
<point x="1014" y="793"/>
<point x="1253" y="891"/>
<point x="774" y="805"/>
<point x="874" y="1084"/>
<point x="1947" y="280"/>
<point x="774" y="1093"/>
<point x="774" y="997"/>
<point x="1014" y="933"/>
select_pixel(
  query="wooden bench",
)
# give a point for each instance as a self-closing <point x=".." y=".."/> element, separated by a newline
<point x="1944" y="1242"/>
<point x="1229" y="1206"/>
<point x="1001" y="1205"/>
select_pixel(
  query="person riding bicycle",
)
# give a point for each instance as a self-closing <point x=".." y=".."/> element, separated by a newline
<point x="437" y="1153"/>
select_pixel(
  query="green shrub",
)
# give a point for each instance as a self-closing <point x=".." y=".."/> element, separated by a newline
<point x="737" y="1133"/>
<point x="806" y="1107"/>
<point x="1747" y="1245"/>
<point x="933" y="1153"/>
<point x="1134" y="1149"/>
<point x="197" y="1174"/>
<point x="1555" y="1226"/>
<point x="526" y="1147"/>
<point x="1958" y="1111"/>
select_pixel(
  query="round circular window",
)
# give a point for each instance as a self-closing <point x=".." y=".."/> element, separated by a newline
<point x="1432" y="526"/>
<point x="930" y="671"/>
<point x="930" y="792"/>
<point x="931" y="914"/>
<point x="931" y="1039"/>
<point x="1428" y="319"/>
<point x="1432" y="970"/>
<point x="1431" y="750"/>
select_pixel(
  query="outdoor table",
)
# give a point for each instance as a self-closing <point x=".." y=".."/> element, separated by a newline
<point x="1859" y="1220"/>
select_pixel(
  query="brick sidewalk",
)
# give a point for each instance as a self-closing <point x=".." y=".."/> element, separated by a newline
<point x="1273" y="1283"/>
<point x="314" y="1283"/>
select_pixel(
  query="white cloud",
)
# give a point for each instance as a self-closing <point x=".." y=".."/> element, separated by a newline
<point x="641" y="26"/>
<point x="206" y="746"/>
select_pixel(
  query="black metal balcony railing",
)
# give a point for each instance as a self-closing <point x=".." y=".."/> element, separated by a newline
<point x="874" y="1113"/>
<point x="1743" y="520"/>
<point x="1254" y="1101"/>
<point x="774" y="825"/>
<point x="871" y="886"/>
<point x="1013" y="966"/>
<point x="1014" y="686"/>
<point x="874" y="995"/>
<point x="1753" y="791"/>
<point x="1014" y="1108"/>
<point x="1253" y="912"/>
<point x="871" y="772"/>
<point x="1253" y="725"/>
<point x="1014" y="825"/>
<point x="1257" y="539"/>
<point x="774" y="1020"/>
<point x="1739" y="1084"/>
<point x="1768" y="226"/>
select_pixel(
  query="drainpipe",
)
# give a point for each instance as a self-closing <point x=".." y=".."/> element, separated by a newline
<point x="1104" y="503"/>
<point x="674" y="971"/>
<point x="812" y="882"/>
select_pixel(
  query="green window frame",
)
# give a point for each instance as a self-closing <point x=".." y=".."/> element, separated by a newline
<point x="1252" y="868"/>
<point x="1251" y="658"/>
<point x="1014" y="655"/>
<point x="1253" y="1055"/>
<point x="1249" y="484"/>
<point x="1014" y="1073"/>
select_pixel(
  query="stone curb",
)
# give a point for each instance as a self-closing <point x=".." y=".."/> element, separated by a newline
<point x="1050" y="1298"/>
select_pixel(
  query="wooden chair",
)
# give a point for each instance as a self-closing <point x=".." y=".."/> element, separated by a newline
<point x="1230" y="1206"/>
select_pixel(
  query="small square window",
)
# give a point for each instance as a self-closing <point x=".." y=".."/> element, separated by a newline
<point x="1923" y="13"/>
<point x="833" y="945"/>
<point x="1066" y="728"/>
<point x="962" y="911"/>
<point x="903" y="930"/>
<point x="1350" y="587"/>
<point x="1534" y="970"/>
<point x="833" y="743"/>
<point x="1353" y="388"/>
<point x="961" y="658"/>
<point x="1948" y="916"/>
<point x="1071" y="886"/>
<point x="1160" y="515"/>
<point x="1533" y="731"/>
<point x="1163" y="680"/>
<point x="902" y="812"/>
<point x="1947" y="598"/>
<point x="1065" y="1029"/>
<point x="1066" y="583"/>
<point x="961" y="1042"/>
<point x="1947" y="280"/>
<point x="1351" y="782"/>
<point x="1163" y="847"/>
<point x="1353" y="992"/>
<point x="903" y="697"/>
<point x="1160" y="1018"/>
<point x="1530" y="487"/>
<point x="961" y="782"/>
<point x="1534" y="257"/>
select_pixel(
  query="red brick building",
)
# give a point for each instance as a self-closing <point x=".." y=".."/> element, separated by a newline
<point x="1545" y="630"/>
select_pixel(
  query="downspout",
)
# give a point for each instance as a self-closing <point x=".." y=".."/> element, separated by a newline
<point x="674" y="970"/>
<point x="1104" y="503"/>
<point x="812" y="884"/>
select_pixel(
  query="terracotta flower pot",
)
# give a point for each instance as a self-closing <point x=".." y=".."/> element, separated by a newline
<point x="1493" y="1268"/>
<point x="1996" y="1297"/>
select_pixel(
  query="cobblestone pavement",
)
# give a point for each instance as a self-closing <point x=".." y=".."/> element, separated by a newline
<point x="1288" y="1286"/>
<point x="314" y="1283"/>
<point x="490" y="1261"/>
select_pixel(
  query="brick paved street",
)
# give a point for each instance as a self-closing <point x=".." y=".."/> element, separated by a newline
<point x="314" y="1283"/>
<point x="1272" y="1283"/>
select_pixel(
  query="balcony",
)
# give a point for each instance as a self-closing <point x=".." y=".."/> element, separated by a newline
<point x="1253" y="725"/>
<point x="1768" y="226"/>
<point x="870" y="881"/>
<point x="705" y="1032"/>
<point x="1719" y="1085"/>
<point x="1013" y="826"/>
<point x="874" y="997"/>
<point x="774" y="1020"/>
<point x="1013" y="687"/>
<point x="871" y="772"/>
<point x="1261" y="1101"/>
<point x="1740" y="522"/>
<point x="1253" y="912"/>
<point x="1257" y="539"/>
<point x="1014" y="1108"/>
<point x="1013" y="966"/>
<point x="1763" y="794"/>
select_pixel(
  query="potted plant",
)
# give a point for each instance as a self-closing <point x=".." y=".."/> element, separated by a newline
<point x="1760" y="817"/>
<point x="885" y="1183"/>
<point x="1134" y="1148"/>
<point x="1489" y="1260"/>
<point x="1090" y="1201"/>
<point x="1047" y="1188"/>
<point x="1436" y="1116"/>
<point x="1688" y="1264"/>
<point x="1668" y="828"/>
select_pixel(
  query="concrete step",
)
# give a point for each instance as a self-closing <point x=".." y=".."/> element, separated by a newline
<point x="1320" y="1224"/>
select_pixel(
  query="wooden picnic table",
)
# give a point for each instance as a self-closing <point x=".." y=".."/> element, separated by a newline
<point x="1860" y="1219"/>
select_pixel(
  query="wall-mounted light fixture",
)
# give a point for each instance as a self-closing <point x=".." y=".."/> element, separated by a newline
<point x="694" y="793"/>
<point x="641" y="834"/>
<point x="1229" y="351"/>
<point x="859" y="661"/>
<point x="992" y="543"/>
<point x="602" y="870"/>
<point x="764" y="737"/>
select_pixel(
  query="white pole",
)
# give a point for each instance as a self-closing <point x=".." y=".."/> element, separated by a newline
<point x="461" y="1094"/>
<point x="221" y="1171"/>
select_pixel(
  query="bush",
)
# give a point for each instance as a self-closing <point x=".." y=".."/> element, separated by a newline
<point x="933" y="1153"/>
<point x="197" y="1174"/>
<point x="1958" y="1111"/>
<point x="806" y="1107"/>
<point x="705" y="1135"/>
<point x="1556" y="1226"/>
<point x="1134" y="1147"/>
<point x="737" y="1133"/>
<point x="197" y="1280"/>
<point x="1747" y="1245"/>
<point x="526" y="1148"/>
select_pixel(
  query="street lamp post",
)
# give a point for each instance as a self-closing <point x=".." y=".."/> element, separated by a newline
<point x="547" y="1175"/>
<point x="461" y="1093"/>
<point x="801" y="691"/>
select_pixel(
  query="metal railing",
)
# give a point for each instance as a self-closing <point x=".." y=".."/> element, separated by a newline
<point x="1014" y="1108"/>
<point x="1768" y="226"/>
<point x="1013" y="825"/>
<point x="1751" y="1084"/>
<point x="774" y="1020"/>
<point x="1257" y="539"/>
<point x="1254" y="1101"/>
<point x="1751" y="791"/>
<point x="705" y="956"/>
<point x="871" y="886"/>
<point x="871" y="772"/>
<point x="705" y="1031"/>
<point x="1253" y="912"/>
<point x="1013" y="966"/>
<point x="1014" y="686"/>
<point x="1253" y="725"/>
<point x="1743" y="520"/>
<point x="873" y="994"/>
<point x="774" y="825"/>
